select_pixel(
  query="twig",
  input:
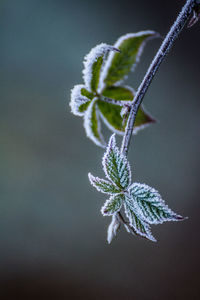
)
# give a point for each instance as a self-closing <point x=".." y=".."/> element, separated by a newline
<point x="175" y="30"/>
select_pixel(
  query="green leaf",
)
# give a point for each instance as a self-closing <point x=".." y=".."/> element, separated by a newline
<point x="83" y="107"/>
<point x="119" y="93"/>
<point x="118" y="65"/>
<point x="116" y="166"/>
<point x="79" y="100"/>
<point x="138" y="226"/>
<point x="111" y="116"/>
<point x="92" y="124"/>
<point x="96" y="73"/>
<point x="103" y="186"/>
<point x="150" y="205"/>
<point x="86" y="93"/>
<point x="93" y="63"/>
<point x="112" y="205"/>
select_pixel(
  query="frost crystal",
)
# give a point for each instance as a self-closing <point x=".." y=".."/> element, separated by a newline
<point x="100" y="51"/>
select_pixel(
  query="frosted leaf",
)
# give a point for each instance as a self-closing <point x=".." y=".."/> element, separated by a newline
<point x="139" y="226"/>
<point x="150" y="205"/>
<point x="103" y="186"/>
<point x="92" y="124"/>
<point x="78" y="100"/>
<point x="93" y="62"/>
<point x="118" y="65"/>
<point x="112" y="205"/>
<point x="116" y="166"/>
<point x="113" y="228"/>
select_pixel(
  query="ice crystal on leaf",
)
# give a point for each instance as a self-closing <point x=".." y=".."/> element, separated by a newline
<point x="104" y="67"/>
<point x="143" y="205"/>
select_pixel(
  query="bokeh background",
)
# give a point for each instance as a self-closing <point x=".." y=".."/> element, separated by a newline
<point x="52" y="235"/>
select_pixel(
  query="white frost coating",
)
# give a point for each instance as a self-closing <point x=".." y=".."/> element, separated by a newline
<point x="113" y="229"/>
<point x="102" y="185"/>
<point x="115" y="165"/>
<point x="150" y="206"/>
<point x="111" y="55"/>
<point x="100" y="50"/>
<point x="88" y="124"/>
<point x="77" y="99"/>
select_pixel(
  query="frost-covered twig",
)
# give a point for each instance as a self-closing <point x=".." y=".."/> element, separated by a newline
<point x="166" y="45"/>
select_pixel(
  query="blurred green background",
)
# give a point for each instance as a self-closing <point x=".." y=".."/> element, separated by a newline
<point x="52" y="235"/>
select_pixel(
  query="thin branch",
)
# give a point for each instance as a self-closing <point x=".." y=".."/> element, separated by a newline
<point x="175" y="30"/>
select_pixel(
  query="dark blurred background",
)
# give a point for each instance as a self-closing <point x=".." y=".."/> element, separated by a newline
<point x="52" y="235"/>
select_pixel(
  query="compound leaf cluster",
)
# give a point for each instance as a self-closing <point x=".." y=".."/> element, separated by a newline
<point x="105" y="68"/>
<point x="143" y="205"/>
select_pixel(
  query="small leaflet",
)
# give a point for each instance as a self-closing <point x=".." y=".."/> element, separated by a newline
<point x="103" y="186"/>
<point x="150" y="205"/>
<point x="92" y="125"/>
<point x="136" y="223"/>
<point x="78" y="100"/>
<point x="116" y="166"/>
<point x="112" y="205"/>
<point x="118" y="65"/>
<point x="93" y="62"/>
